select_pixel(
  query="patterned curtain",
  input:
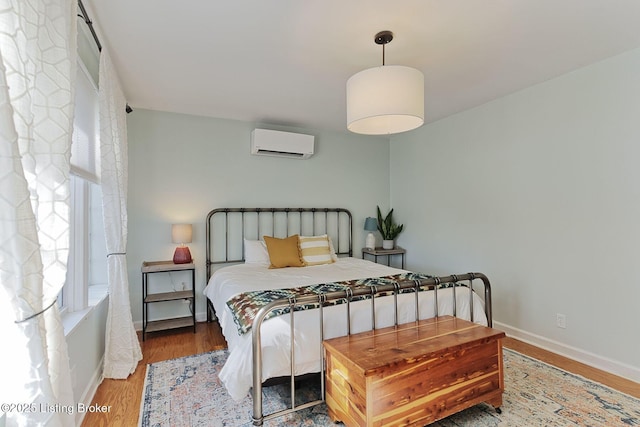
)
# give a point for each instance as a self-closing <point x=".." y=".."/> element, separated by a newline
<point x="122" y="351"/>
<point x="37" y="72"/>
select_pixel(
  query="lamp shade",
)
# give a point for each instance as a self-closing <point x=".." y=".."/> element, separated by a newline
<point x="181" y="233"/>
<point x="370" y="224"/>
<point x="385" y="100"/>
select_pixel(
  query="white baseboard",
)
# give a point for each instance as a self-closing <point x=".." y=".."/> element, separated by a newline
<point x="90" y="391"/>
<point x="600" y="362"/>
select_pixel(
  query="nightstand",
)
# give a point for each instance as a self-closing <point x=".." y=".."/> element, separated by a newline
<point x="149" y="267"/>
<point x="378" y="252"/>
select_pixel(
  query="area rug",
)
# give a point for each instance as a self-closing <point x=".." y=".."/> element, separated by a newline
<point x="187" y="392"/>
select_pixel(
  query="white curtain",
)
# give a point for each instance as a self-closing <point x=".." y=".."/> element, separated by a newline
<point x="122" y="351"/>
<point x="37" y="72"/>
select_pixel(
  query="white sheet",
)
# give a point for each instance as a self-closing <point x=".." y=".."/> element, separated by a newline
<point x="229" y="281"/>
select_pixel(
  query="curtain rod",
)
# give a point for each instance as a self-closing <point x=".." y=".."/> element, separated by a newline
<point x="85" y="17"/>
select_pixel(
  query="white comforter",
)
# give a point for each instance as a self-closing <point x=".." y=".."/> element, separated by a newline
<point x="229" y="281"/>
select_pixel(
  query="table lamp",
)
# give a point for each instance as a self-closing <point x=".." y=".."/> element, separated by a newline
<point x="370" y="225"/>
<point x="181" y="234"/>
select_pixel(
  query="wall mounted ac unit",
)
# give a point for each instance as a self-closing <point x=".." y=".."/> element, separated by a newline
<point x="266" y="142"/>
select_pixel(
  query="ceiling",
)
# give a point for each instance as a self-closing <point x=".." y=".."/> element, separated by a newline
<point x="286" y="62"/>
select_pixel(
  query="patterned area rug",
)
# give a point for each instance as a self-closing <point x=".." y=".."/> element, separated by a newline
<point x="187" y="392"/>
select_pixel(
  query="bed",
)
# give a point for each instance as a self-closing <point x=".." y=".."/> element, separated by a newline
<point x="275" y="319"/>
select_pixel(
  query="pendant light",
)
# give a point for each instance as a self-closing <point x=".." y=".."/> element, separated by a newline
<point x="385" y="100"/>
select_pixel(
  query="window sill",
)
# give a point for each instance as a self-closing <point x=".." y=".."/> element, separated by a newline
<point x="97" y="293"/>
<point x="70" y="320"/>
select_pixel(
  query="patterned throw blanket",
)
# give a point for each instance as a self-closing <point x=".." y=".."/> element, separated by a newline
<point x="245" y="306"/>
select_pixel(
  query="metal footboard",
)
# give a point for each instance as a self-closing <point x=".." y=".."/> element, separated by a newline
<point x="372" y="293"/>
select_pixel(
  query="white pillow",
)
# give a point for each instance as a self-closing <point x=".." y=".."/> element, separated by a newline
<point x="255" y="252"/>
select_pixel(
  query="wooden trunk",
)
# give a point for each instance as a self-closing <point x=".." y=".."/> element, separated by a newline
<point x="413" y="374"/>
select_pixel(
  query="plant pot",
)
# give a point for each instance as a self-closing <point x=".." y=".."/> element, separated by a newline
<point x="387" y="244"/>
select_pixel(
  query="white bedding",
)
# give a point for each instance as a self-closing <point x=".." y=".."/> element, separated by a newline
<point x="232" y="280"/>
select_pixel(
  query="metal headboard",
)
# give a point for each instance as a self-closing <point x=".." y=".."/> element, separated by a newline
<point x="227" y="228"/>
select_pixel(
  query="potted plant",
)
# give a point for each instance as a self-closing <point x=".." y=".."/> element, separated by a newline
<point x="388" y="228"/>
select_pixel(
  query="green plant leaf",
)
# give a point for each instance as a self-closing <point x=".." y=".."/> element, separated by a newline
<point x="387" y="227"/>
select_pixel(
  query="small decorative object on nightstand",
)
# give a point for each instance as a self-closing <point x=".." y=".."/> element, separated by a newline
<point x="389" y="229"/>
<point x="378" y="252"/>
<point x="370" y="225"/>
<point x="181" y="234"/>
<point x="189" y="295"/>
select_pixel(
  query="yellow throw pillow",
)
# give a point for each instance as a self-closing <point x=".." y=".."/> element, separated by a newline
<point x="284" y="252"/>
<point x="316" y="250"/>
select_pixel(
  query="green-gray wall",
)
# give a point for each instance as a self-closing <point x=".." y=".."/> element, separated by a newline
<point x="540" y="190"/>
<point x="182" y="166"/>
<point x="86" y="344"/>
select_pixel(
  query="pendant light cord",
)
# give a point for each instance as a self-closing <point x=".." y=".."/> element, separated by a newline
<point x="383" y="37"/>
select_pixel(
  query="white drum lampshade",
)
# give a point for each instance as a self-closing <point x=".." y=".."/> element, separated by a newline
<point x="385" y="100"/>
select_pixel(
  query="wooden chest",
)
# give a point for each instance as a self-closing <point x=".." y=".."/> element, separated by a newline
<point x="413" y="374"/>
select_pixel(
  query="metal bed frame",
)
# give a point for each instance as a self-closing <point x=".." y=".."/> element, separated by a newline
<point x="371" y="293"/>
<point x="337" y="223"/>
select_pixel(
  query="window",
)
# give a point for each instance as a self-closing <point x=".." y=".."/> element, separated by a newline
<point x="87" y="266"/>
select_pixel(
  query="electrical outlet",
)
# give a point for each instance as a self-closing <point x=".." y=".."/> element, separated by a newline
<point x="561" y="321"/>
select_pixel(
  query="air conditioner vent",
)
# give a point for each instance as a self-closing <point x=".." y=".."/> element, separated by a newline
<point x="265" y="142"/>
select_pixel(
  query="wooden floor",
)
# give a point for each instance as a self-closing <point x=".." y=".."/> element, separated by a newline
<point x="124" y="395"/>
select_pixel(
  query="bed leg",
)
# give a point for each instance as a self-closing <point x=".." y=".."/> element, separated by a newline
<point x="210" y="312"/>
